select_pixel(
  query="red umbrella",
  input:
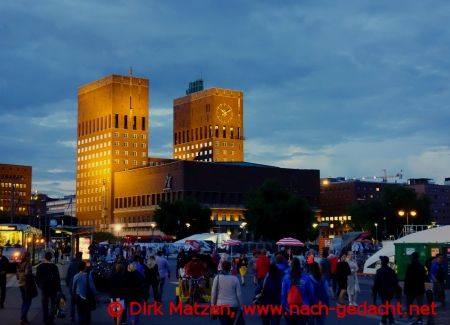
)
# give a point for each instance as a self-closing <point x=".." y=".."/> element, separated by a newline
<point x="289" y="241"/>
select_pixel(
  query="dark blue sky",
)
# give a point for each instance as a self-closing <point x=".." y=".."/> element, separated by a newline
<point x="347" y="87"/>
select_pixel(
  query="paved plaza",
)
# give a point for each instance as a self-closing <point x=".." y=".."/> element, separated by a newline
<point x="10" y="315"/>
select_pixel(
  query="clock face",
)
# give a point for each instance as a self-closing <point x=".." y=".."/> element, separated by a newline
<point x="224" y="113"/>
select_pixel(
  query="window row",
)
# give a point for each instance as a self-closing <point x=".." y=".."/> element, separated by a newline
<point x="16" y="185"/>
<point x="206" y="133"/>
<point x="194" y="146"/>
<point x="94" y="138"/>
<point x="93" y="173"/>
<point x="94" y="147"/>
<point x="94" y="125"/>
<point x="122" y="121"/>
<point x="96" y="155"/>
<point x="133" y="153"/>
<point x="133" y="135"/>
<point x="213" y="198"/>
<point x="127" y="162"/>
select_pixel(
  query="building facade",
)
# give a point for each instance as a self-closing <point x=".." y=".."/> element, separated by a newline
<point x="65" y="206"/>
<point x="337" y="195"/>
<point x="112" y="135"/>
<point x="15" y="189"/>
<point x="439" y="196"/>
<point x="222" y="187"/>
<point x="208" y="125"/>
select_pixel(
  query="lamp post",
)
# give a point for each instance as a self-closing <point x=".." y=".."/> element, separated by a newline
<point x="153" y="225"/>
<point x="411" y="213"/>
<point x="244" y="232"/>
<point x="376" y="232"/>
<point x="118" y="228"/>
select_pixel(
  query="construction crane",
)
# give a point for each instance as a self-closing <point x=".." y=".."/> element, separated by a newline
<point x="385" y="177"/>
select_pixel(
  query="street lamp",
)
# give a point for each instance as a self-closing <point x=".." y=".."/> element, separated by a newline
<point x="411" y="213"/>
<point x="376" y="231"/>
<point x="153" y="225"/>
<point x="118" y="228"/>
<point x="244" y="232"/>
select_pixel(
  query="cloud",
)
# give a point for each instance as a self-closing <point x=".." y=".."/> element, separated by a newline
<point x="347" y="87"/>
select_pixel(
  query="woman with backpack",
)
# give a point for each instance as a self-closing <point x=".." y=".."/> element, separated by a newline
<point x="292" y="293"/>
<point x="317" y="291"/>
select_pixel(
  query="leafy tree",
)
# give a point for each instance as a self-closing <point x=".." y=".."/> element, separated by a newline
<point x="384" y="211"/>
<point x="272" y="213"/>
<point x="172" y="218"/>
<point x="100" y="236"/>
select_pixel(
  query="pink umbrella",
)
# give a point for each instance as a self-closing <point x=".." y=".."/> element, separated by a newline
<point x="231" y="242"/>
<point x="289" y="241"/>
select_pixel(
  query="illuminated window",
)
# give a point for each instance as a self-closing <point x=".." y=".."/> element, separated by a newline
<point x="144" y="145"/>
<point x="125" y="153"/>
<point x="239" y="133"/>
<point x="216" y="128"/>
<point x="134" y="154"/>
<point x="224" y="132"/>
<point x="143" y="154"/>
<point x="125" y="135"/>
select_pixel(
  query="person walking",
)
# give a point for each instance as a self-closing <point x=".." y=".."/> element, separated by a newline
<point x="226" y="291"/>
<point x="282" y="264"/>
<point x="118" y="289"/>
<point x="48" y="280"/>
<point x="385" y="286"/>
<point x="438" y="273"/>
<point x="56" y="254"/>
<point x="270" y="294"/>
<point x="85" y="293"/>
<point x="317" y="291"/>
<point x="325" y="269"/>
<point x="135" y="292"/>
<point x="352" y="279"/>
<point x="4" y="266"/>
<point x="153" y="276"/>
<point x="333" y="261"/>
<point x="414" y="289"/>
<point x="27" y="286"/>
<point x="261" y="268"/>
<point x="73" y="269"/>
<point x="342" y="273"/>
<point x="292" y="293"/>
<point x="164" y="273"/>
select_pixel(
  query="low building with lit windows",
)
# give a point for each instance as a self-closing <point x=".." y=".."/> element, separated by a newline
<point x="15" y="188"/>
<point x="222" y="187"/>
<point x="337" y="195"/>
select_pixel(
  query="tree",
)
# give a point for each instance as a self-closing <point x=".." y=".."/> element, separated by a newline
<point x="384" y="211"/>
<point x="272" y="213"/>
<point x="172" y="218"/>
<point x="100" y="236"/>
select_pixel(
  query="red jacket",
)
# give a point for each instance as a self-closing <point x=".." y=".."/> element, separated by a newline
<point x="262" y="266"/>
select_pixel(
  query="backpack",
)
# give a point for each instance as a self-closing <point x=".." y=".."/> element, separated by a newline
<point x="294" y="297"/>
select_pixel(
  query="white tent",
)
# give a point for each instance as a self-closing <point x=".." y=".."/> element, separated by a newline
<point x="433" y="235"/>
<point x="219" y="238"/>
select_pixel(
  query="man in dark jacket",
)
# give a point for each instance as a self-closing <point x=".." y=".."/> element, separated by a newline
<point x="386" y="286"/>
<point x="415" y="279"/>
<point x="4" y="265"/>
<point x="73" y="269"/>
<point x="48" y="280"/>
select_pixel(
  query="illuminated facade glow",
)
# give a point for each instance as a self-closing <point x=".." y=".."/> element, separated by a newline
<point x="208" y="126"/>
<point x="112" y="135"/>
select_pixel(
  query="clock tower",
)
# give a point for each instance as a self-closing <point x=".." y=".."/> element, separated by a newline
<point x="208" y="124"/>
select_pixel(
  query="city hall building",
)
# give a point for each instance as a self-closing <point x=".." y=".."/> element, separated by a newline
<point x="119" y="187"/>
<point x="222" y="186"/>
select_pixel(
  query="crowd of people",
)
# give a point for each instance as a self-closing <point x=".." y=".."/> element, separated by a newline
<point x="140" y="275"/>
